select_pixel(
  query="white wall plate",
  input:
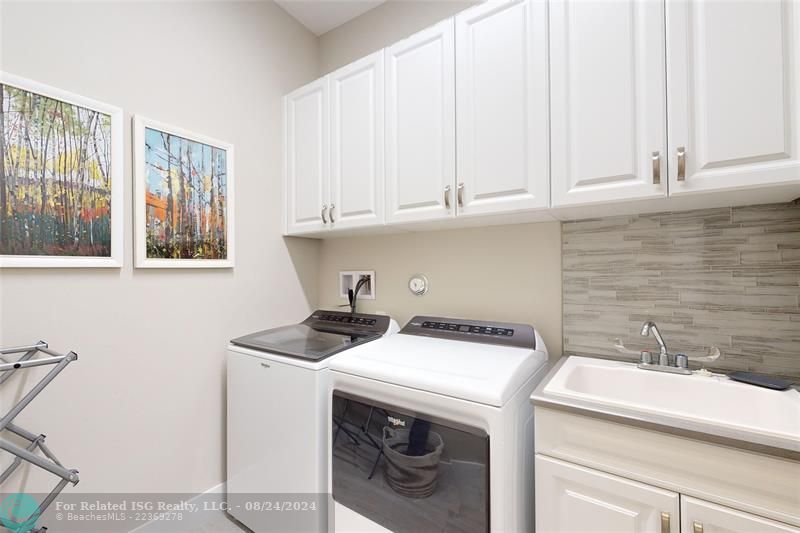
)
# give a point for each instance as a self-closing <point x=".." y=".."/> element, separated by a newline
<point x="348" y="280"/>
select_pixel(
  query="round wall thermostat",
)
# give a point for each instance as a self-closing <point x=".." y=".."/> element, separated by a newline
<point x="418" y="284"/>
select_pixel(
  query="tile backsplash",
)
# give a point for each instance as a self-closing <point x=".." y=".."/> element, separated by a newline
<point x="715" y="277"/>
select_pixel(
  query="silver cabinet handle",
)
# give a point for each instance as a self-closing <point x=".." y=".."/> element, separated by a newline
<point x="331" y="213"/>
<point x="656" y="168"/>
<point x="447" y="197"/>
<point x="460" y="195"/>
<point x="324" y="212"/>
<point x="681" y="163"/>
<point x="697" y="527"/>
<point x="665" y="525"/>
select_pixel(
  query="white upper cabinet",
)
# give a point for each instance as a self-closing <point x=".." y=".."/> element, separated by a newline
<point x="734" y="94"/>
<point x="571" y="498"/>
<point x="698" y="516"/>
<point x="306" y="164"/>
<point x="502" y="108"/>
<point x="608" y="104"/>
<point x="515" y="106"/>
<point x="420" y="126"/>
<point x="357" y="164"/>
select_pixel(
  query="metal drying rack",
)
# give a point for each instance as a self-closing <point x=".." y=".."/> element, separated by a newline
<point x="49" y="461"/>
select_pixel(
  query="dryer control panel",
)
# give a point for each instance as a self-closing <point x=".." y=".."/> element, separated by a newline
<point x="503" y="333"/>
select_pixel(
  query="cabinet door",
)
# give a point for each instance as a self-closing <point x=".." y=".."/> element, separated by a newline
<point x="734" y="94"/>
<point x="306" y="163"/>
<point x="577" y="499"/>
<point x="420" y="126"/>
<point x="698" y="516"/>
<point x="502" y="108"/>
<point x="357" y="165"/>
<point x="608" y="107"/>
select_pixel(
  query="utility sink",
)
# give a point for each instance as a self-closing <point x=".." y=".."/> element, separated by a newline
<point x="703" y="399"/>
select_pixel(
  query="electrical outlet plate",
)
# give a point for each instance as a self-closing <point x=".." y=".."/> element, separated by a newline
<point x="348" y="280"/>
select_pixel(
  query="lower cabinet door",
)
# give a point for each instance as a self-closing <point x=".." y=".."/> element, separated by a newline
<point x="574" y="499"/>
<point x="698" y="516"/>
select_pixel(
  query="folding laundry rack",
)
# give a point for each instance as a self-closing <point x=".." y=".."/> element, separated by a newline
<point x="49" y="461"/>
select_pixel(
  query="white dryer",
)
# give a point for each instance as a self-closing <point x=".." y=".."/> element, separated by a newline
<point x="277" y="417"/>
<point x="432" y="429"/>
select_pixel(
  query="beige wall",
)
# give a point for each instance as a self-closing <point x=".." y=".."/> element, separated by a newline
<point x="379" y="27"/>
<point x="510" y="273"/>
<point x="498" y="273"/>
<point x="143" y="409"/>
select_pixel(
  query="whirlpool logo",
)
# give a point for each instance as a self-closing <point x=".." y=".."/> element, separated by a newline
<point x="396" y="422"/>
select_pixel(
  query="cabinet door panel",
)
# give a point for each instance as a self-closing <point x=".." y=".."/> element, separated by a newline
<point x="420" y="125"/>
<point x="502" y="108"/>
<point x="577" y="499"/>
<point x="608" y="107"/>
<point x="357" y="166"/>
<point x="306" y="164"/>
<point x="700" y="516"/>
<point x="734" y="91"/>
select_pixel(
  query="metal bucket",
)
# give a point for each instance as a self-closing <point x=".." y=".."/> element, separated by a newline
<point x="411" y="476"/>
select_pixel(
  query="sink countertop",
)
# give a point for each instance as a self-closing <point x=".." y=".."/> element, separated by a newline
<point x="777" y="445"/>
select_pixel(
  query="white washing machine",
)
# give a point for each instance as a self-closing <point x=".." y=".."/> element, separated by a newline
<point x="432" y="429"/>
<point x="278" y="386"/>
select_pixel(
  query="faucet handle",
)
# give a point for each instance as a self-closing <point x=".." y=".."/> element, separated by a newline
<point x="681" y="360"/>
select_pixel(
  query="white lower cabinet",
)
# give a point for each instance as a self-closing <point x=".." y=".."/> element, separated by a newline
<point x="698" y="516"/>
<point x="574" y="499"/>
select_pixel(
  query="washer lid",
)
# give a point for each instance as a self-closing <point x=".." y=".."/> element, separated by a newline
<point x="481" y="373"/>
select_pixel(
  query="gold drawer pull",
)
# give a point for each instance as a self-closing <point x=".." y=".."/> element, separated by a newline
<point x="681" y="163"/>
<point x="665" y="525"/>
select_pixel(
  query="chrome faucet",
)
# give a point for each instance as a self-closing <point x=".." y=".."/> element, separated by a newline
<point x="680" y="364"/>
<point x="663" y="355"/>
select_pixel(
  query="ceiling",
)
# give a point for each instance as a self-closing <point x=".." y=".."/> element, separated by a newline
<point x="321" y="16"/>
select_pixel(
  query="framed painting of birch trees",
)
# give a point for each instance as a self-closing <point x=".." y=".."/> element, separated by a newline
<point x="184" y="198"/>
<point x="61" y="195"/>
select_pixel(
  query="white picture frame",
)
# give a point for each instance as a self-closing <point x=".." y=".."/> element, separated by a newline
<point x="116" y="177"/>
<point x="140" y="175"/>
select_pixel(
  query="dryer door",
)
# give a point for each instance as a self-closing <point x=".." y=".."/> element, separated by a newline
<point x="407" y="471"/>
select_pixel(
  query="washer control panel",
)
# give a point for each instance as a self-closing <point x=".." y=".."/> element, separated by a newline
<point x="344" y="322"/>
<point x="507" y="334"/>
<point x="348" y="319"/>
<point x="468" y="328"/>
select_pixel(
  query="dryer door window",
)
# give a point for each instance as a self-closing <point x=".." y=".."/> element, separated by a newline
<point x="408" y="471"/>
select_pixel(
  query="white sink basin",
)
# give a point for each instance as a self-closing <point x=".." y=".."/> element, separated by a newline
<point x="714" y="399"/>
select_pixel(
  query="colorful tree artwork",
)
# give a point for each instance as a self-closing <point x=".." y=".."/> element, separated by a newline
<point x="55" y="177"/>
<point x="183" y="194"/>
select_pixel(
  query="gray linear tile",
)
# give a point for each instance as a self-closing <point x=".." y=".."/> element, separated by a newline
<point x="728" y="277"/>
